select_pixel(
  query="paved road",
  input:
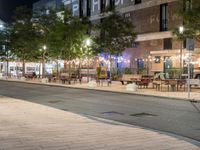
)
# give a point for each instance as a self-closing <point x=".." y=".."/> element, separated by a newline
<point x="174" y="116"/>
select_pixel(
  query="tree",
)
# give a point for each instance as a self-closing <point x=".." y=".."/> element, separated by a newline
<point x="44" y="23"/>
<point x="189" y="11"/>
<point x="5" y="53"/>
<point x="70" y="33"/>
<point x="116" y="33"/>
<point x="23" y="36"/>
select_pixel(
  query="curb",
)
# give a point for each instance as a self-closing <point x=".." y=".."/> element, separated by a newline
<point x="113" y="122"/>
<point x="100" y="90"/>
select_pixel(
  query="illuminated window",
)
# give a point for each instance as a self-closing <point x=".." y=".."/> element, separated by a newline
<point x="157" y="59"/>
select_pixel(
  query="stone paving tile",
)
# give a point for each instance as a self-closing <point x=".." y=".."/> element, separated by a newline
<point x="29" y="126"/>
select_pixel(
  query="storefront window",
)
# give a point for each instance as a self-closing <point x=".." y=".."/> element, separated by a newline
<point x="157" y="59"/>
<point x="167" y="63"/>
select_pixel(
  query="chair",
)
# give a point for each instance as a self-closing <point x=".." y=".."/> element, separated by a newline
<point x="173" y="84"/>
<point x="145" y="80"/>
<point x="181" y="83"/>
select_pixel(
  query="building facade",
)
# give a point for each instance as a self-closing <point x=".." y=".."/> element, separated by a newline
<point x="155" y="49"/>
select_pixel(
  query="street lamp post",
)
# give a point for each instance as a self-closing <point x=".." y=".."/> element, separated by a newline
<point x="189" y="61"/>
<point x="181" y="30"/>
<point x="88" y="44"/>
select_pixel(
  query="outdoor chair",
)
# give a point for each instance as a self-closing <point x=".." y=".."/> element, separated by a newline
<point x="173" y="84"/>
<point x="64" y="77"/>
<point x="145" y="80"/>
<point x="181" y="84"/>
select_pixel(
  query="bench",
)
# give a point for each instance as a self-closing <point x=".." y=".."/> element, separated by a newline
<point x="64" y="77"/>
<point x="129" y="78"/>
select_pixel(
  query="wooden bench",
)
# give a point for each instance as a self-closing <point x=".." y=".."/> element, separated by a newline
<point x="130" y="78"/>
<point x="64" y="77"/>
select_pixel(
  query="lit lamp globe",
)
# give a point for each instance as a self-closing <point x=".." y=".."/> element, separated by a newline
<point x="44" y="47"/>
<point x="88" y="42"/>
<point x="181" y="29"/>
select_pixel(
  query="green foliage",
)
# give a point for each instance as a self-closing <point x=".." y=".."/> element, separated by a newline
<point x="116" y="74"/>
<point x="5" y="53"/>
<point x="174" y="73"/>
<point x="116" y="33"/>
<point x="98" y="72"/>
<point x="127" y="71"/>
<point x="189" y="11"/>
<point x="67" y="36"/>
<point x="23" y="36"/>
<point x="44" y="24"/>
<point x="142" y="71"/>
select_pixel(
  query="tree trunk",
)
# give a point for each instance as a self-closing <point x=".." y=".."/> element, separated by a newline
<point x="65" y="66"/>
<point x="40" y="70"/>
<point x="88" y="70"/>
<point x="69" y="67"/>
<point x="7" y="60"/>
<point x="69" y="72"/>
<point x="57" y="69"/>
<point x="23" y="66"/>
<point x="110" y="67"/>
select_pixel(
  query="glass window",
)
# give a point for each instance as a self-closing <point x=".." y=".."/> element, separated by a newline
<point x="163" y="17"/>
<point x="135" y="45"/>
<point x="167" y="43"/>
<point x="30" y="69"/>
<point x="140" y="63"/>
<point x="157" y="60"/>
<point x="88" y="8"/>
<point x="81" y="8"/>
<point x="103" y="5"/>
<point x="167" y="63"/>
<point x="112" y="4"/>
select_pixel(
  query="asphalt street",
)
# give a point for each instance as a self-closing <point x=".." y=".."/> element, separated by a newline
<point x="173" y="116"/>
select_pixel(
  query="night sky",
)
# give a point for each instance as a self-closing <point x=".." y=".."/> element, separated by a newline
<point x="8" y="6"/>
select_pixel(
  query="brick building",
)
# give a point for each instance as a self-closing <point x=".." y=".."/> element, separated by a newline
<point x="155" y="48"/>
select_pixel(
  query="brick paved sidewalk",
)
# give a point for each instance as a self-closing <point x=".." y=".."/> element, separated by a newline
<point x="29" y="126"/>
<point x="116" y="86"/>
